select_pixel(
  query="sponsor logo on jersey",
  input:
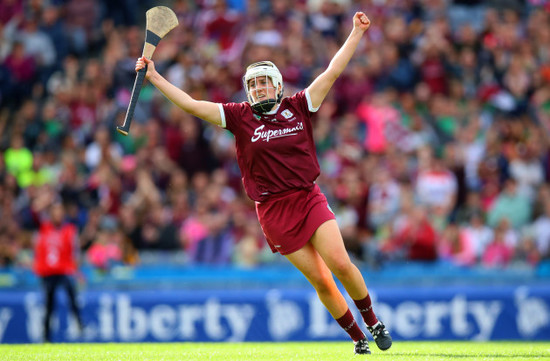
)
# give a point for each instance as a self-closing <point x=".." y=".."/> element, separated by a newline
<point x="267" y="135"/>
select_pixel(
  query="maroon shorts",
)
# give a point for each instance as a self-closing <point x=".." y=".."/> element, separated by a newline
<point x="289" y="220"/>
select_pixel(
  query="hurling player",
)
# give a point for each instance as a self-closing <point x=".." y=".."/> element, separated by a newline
<point x="277" y="158"/>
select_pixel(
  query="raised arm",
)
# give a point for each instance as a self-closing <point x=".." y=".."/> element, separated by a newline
<point x="205" y="110"/>
<point x="320" y="87"/>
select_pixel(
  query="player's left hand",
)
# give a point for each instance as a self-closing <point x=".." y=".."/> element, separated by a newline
<point x="361" y="21"/>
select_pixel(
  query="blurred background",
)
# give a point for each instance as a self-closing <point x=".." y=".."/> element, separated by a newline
<point x="433" y="146"/>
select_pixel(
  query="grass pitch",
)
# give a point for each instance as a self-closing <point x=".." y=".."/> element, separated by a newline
<point x="290" y="351"/>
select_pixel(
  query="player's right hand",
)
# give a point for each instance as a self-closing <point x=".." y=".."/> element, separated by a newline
<point x="142" y="62"/>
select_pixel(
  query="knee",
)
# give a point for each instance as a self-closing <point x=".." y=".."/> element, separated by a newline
<point x="343" y="270"/>
<point x="323" y="284"/>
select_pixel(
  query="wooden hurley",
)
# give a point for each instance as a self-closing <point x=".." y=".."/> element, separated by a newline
<point x="159" y="21"/>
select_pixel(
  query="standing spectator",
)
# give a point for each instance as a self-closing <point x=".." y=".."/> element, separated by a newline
<point x="102" y="150"/>
<point x="22" y="70"/>
<point x="377" y="114"/>
<point x="56" y="261"/>
<point x="222" y="26"/>
<point x="10" y="9"/>
<point x="18" y="158"/>
<point x="40" y="46"/>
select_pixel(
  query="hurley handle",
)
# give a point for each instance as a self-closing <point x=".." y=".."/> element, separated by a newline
<point x="125" y="128"/>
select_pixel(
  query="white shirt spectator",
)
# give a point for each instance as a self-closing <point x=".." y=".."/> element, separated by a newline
<point x="37" y="44"/>
<point x="436" y="188"/>
<point x="94" y="151"/>
<point x="541" y="229"/>
<point x="529" y="173"/>
<point x="480" y="235"/>
<point x="384" y="200"/>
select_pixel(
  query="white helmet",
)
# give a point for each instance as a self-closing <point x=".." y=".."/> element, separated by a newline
<point x="267" y="69"/>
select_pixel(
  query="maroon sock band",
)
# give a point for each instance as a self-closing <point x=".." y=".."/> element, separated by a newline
<point x="348" y="323"/>
<point x="365" y="307"/>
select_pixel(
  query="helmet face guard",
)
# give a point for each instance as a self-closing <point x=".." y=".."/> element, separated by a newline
<point x="267" y="70"/>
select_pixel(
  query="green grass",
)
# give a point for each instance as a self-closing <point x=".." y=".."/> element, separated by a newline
<point x="311" y="351"/>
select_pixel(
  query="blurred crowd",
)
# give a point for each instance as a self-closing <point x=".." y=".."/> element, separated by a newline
<point x="433" y="143"/>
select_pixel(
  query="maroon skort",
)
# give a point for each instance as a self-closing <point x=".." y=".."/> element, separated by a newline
<point x="289" y="220"/>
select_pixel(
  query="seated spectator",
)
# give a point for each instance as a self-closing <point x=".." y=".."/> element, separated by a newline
<point x="510" y="205"/>
<point x="455" y="245"/>
<point x="416" y="240"/>
<point x="527" y="170"/>
<point x="106" y="250"/>
<point x="498" y="253"/>
<point x="470" y="208"/>
<point x="436" y="186"/>
<point x="541" y="231"/>
<point x="383" y="199"/>
<point x="158" y="231"/>
<point x="526" y="252"/>
<point x="479" y="233"/>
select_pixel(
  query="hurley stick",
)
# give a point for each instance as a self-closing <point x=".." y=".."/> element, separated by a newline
<point x="159" y="21"/>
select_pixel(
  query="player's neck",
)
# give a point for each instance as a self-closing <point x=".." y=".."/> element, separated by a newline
<point x="274" y="110"/>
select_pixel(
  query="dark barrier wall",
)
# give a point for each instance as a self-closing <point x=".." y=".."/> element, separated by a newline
<point x="468" y="313"/>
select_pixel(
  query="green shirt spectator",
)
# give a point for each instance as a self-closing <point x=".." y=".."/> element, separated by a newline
<point x="18" y="158"/>
<point x="510" y="205"/>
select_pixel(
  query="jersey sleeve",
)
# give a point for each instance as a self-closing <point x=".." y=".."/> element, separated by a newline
<point x="231" y="114"/>
<point x="302" y="101"/>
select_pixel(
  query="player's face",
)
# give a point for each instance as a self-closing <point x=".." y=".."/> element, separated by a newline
<point x="57" y="213"/>
<point x="262" y="88"/>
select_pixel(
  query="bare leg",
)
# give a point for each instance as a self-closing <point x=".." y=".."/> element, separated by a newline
<point x="310" y="263"/>
<point x="329" y="244"/>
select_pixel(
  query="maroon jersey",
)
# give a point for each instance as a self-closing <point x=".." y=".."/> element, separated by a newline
<point x="275" y="152"/>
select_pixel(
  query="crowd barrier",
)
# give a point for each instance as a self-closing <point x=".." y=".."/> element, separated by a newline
<point x="411" y="313"/>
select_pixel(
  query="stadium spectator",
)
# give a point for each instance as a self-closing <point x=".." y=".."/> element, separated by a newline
<point x="106" y="250"/>
<point x="541" y="231"/>
<point x="22" y="70"/>
<point x="383" y="201"/>
<point x="436" y="186"/>
<point x="416" y="239"/>
<point x="526" y="168"/>
<point x="479" y="233"/>
<point x="455" y="246"/>
<point x="498" y="253"/>
<point x="510" y="205"/>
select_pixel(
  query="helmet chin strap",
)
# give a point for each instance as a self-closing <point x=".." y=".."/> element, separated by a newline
<point x="264" y="106"/>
